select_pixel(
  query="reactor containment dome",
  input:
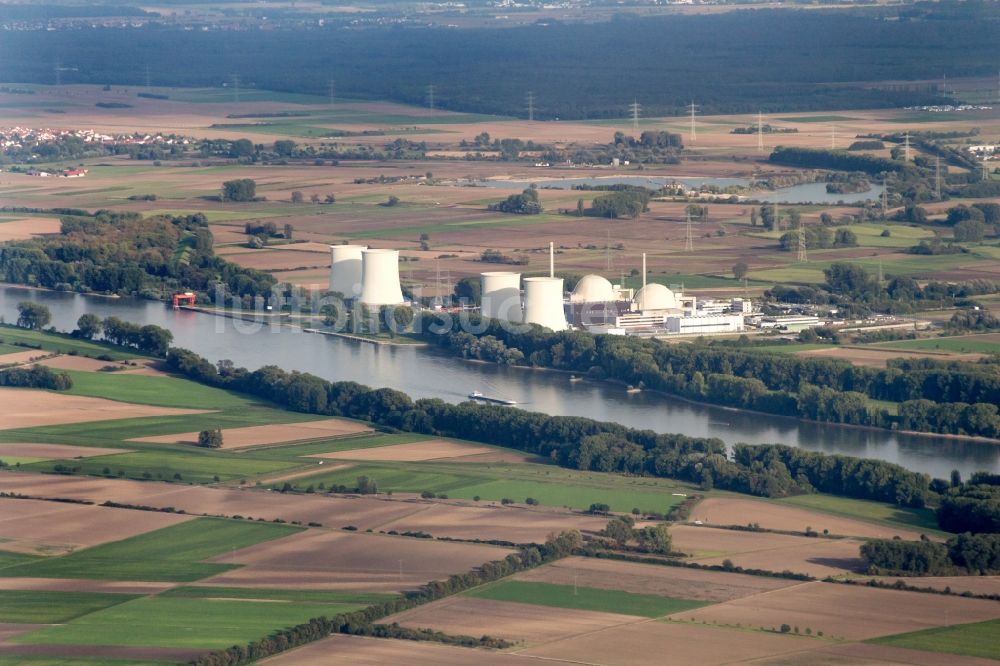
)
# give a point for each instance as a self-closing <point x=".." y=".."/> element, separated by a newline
<point x="592" y="289"/>
<point x="380" y="277"/>
<point x="655" y="297"/>
<point x="501" y="296"/>
<point x="345" y="269"/>
<point x="543" y="302"/>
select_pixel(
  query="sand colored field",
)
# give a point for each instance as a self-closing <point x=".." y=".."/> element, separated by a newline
<point x="653" y="643"/>
<point x="447" y="519"/>
<point x="433" y="449"/>
<point x="10" y="630"/>
<point x="523" y="623"/>
<point x="516" y="524"/>
<point x="850" y="612"/>
<point x="28" y="408"/>
<point x="278" y="433"/>
<point x="877" y="358"/>
<point x="28" y="227"/>
<point x="53" y="451"/>
<point x="83" y="585"/>
<point x="85" y="364"/>
<point x="35" y="526"/>
<point x="652" y="579"/>
<point x="113" y="653"/>
<point x="21" y="357"/>
<point x="360" y="651"/>
<point x="320" y="559"/>
<point x="773" y="552"/>
<point x="774" y="516"/>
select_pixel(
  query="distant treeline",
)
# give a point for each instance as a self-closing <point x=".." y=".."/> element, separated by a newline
<point x="816" y="158"/>
<point x="575" y="442"/>
<point x="36" y="376"/>
<point x="977" y="554"/>
<point x="736" y="62"/>
<point x="934" y="396"/>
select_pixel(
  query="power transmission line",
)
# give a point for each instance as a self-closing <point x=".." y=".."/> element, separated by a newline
<point x="693" y="108"/>
<point x="531" y="105"/>
<point x="802" y="242"/>
<point x="937" y="178"/>
<point x="430" y="96"/>
<point x="760" y="132"/>
<point x="331" y="88"/>
<point x="689" y="238"/>
<point x="907" y="146"/>
<point x="636" y="108"/>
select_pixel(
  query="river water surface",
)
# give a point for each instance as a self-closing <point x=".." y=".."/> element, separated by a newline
<point x="425" y="373"/>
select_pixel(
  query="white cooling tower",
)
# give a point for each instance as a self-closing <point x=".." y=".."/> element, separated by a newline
<point x="345" y="269"/>
<point x="502" y="296"/>
<point x="543" y="302"/>
<point x="380" y="277"/>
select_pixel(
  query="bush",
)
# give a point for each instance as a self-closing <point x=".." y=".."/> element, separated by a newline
<point x="210" y="439"/>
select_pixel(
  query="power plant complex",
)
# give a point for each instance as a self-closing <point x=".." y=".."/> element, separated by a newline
<point x="371" y="277"/>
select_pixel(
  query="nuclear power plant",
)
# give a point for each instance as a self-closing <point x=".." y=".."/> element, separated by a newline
<point x="598" y="306"/>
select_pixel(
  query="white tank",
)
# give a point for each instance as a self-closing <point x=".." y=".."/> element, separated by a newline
<point x="501" y="296"/>
<point x="543" y="302"/>
<point x="592" y="289"/>
<point x="380" y="277"/>
<point x="345" y="269"/>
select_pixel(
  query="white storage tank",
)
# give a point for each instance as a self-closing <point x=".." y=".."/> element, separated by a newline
<point x="543" y="302"/>
<point x="345" y="269"/>
<point x="501" y="296"/>
<point x="380" y="277"/>
<point x="592" y="289"/>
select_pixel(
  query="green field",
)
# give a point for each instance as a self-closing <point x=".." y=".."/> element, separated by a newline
<point x="175" y="553"/>
<point x="43" y="607"/>
<point x="60" y="343"/>
<point x="551" y="486"/>
<point x="890" y="515"/>
<point x="981" y="344"/>
<point x="979" y="639"/>
<point x="26" y="660"/>
<point x="153" y="390"/>
<point x="584" y="598"/>
<point x="10" y="349"/>
<point x="195" y="622"/>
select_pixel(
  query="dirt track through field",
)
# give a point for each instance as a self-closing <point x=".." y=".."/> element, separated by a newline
<point x="28" y="408"/>
<point x="433" y="449"/>
<point x="84" y="585"/>
<point x="361" y="651"/>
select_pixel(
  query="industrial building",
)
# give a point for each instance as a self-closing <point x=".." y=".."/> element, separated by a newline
<point x="501" y="296"/>
<point x="380" y="278"/>
<point x="345" y="269"/>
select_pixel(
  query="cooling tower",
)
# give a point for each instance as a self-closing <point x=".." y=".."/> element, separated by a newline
<point x="380" y="277"/>
<point x="502" y="296"/>
<point x="543" y="302"/>
<point x="345" y="269"/>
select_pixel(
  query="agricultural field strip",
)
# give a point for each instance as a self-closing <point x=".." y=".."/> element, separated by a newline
<point x="976" y="639"/>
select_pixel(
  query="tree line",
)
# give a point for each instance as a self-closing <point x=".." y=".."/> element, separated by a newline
<point x="574" y="442"/>
<point x="934" y="396"/>
<point x="975" y="554"/>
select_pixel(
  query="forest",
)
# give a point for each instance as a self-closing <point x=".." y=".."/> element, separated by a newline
<point x="744" y="62"/>
<point x="126" y="254"/>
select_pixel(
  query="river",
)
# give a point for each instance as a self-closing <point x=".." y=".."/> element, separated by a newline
<point x="424" y="373"/>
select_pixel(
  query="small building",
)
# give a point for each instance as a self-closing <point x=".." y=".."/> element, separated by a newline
<point x="705" y="324"/>
<point x="74" y="173"/>
<point x="792" y="323"/>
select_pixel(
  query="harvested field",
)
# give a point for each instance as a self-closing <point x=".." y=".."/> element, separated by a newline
<point x="524" y="623"/>
<point x="28" y="408"/>
<point x="652" y="579"/>
<point x="362" y="651"/>
<point x="53" y="451"/>
<point x="21" y="357"/>
<point x="877" y="358"/>
<point x="35" y="526"/>
<point x="773" y="552"/>
<point x="514" y="524"/>
<point x="83" y="585"/>
<point x="85" y="364"/>
<point x="846" y="611"/>
<point x="769" y="515"/>
<point x="643" y="643"/>
<point x="328" y="560"/>
<point x="113" y="653"/>
<point x="279" y="433"/>
<point x="440" y="519"/>
<point x="433" y="449"/>
<point x="10" y="630"/>
<point x="28" y="227"/>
